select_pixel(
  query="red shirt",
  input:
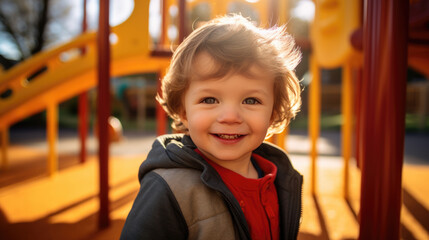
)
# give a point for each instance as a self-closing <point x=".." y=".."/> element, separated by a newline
<point x="257" y="197"/>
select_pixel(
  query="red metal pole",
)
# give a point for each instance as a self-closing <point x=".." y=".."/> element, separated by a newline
<point x="83" y="102"/>
<point x="164" y="14"/>
<point x="358" y="125"/>
<point x="182" y="20"/>
<point x="103" y="111"/>
<point x="383" y="117"/>
<point x="161" y="116"/>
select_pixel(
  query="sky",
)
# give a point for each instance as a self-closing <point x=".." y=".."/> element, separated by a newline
<point x="120" y="10"/>
<point x="304" y="10"/>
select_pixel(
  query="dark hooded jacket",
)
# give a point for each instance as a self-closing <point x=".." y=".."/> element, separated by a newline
<point x="158" y="211"/>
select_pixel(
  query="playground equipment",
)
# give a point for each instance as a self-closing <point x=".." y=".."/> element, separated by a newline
<point x="52" y="76"/>
<point x="264" y="12"/>
<point x="258" y="11"/>
<point x="35" y="85"/>
<point x="382" y="114"/>
<point x="380" y="101"/>
<point x="333" y="24"/>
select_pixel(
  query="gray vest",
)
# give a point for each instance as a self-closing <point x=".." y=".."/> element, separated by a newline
<point x="203" y="208"/>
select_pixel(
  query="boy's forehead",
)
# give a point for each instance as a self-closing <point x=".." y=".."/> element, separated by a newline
<point x="204" y="66"/>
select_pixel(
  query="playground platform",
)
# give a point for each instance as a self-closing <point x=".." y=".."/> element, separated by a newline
<point x="36" y="206"/>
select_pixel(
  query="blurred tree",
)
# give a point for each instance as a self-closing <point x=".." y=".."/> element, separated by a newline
<point x="27" y="26"/>
<point x="24" y="23"/>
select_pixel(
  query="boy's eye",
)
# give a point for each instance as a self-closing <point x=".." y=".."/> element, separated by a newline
<point x="209" y="100"/>
<point x="250" y="101"/>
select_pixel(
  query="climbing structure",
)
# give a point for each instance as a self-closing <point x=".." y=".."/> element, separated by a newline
<point x="55" y="75"/>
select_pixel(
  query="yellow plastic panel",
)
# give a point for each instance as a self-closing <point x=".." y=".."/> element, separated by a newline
<point x="334" y="22"/>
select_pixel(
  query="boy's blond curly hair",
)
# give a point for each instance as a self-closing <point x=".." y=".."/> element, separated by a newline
<point x="235" y="44"/>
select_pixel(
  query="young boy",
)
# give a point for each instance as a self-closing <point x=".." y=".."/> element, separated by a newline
<point x="230" y="84"/>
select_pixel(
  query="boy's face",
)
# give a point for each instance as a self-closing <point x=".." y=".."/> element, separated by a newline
<point x="228" y="118"/>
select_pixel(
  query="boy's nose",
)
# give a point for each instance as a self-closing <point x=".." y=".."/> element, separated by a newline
<point x="229" y="114"/>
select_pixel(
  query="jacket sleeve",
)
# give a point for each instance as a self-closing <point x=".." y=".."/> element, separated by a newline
<point x="155" y="213"/>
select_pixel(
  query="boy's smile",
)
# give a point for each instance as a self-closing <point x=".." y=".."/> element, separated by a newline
<point x="228" y="117"/>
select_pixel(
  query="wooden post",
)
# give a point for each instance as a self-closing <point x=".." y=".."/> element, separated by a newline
<point x="83" y="124"/>
<point x="52" y="135"/>
<point x="358" y="125"/>
<point x="314" y="118"/>
<point x="347" y="123"/>
<point x="383" y="117"/>
<point x="83" y="102"/>
<point x="103" y="111"/>
<point x="4" y="146"/>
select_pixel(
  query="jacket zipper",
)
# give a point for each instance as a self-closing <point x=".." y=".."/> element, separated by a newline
<point x="231" y="206"/>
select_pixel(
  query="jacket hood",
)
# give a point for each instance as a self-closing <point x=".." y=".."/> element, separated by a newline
<point x="172" y="151"/>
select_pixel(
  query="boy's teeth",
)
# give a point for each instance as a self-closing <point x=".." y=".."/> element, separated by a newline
<point x="226" y="136"/>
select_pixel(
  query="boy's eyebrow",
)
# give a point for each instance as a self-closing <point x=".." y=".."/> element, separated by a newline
<point x="206" y="90"/>
<point x="259" y="91"/>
